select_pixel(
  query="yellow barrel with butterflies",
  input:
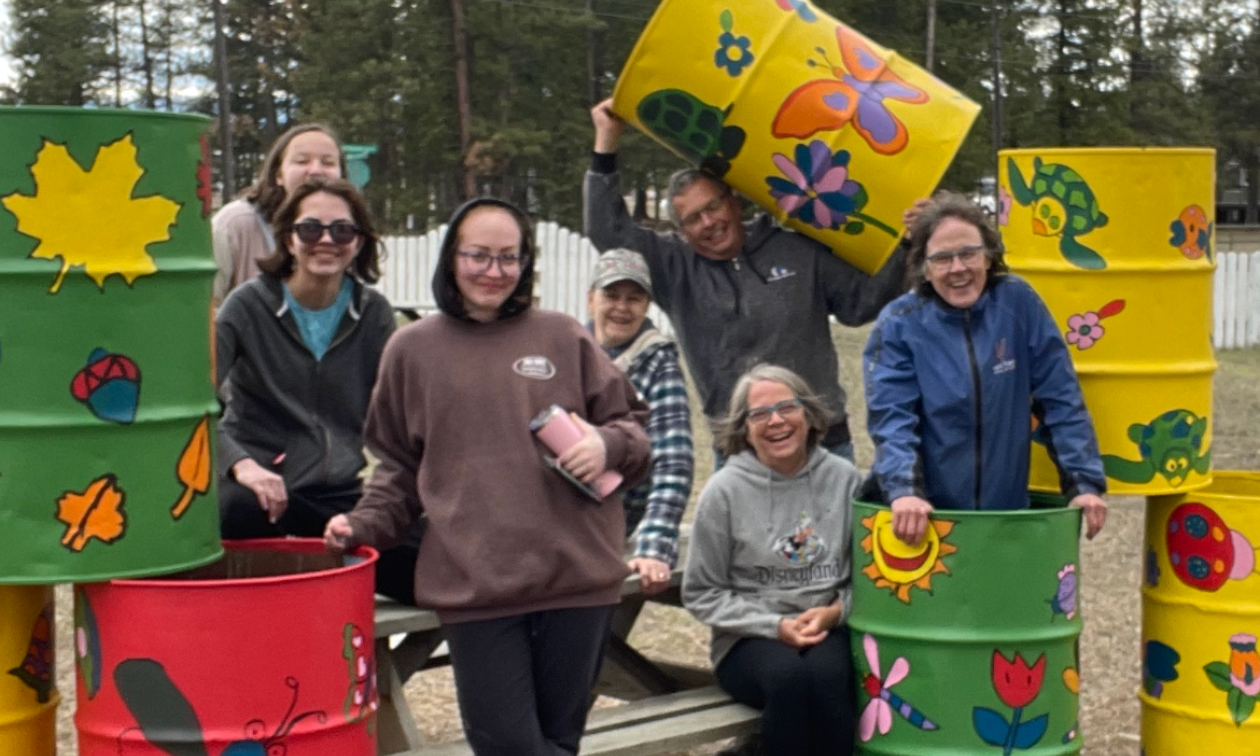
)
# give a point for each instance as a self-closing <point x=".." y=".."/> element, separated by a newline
<point x="28" y="693"/>
<point x="831" y="133"/>
<point x="1118" y="242"/>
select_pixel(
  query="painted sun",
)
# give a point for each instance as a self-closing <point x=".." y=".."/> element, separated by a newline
<point x="900" y="567"/>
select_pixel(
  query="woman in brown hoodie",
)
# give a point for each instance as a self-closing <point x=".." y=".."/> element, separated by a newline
<point x="523" y="568"/>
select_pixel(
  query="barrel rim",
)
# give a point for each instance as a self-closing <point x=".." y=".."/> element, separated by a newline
<point x="1108" y="150"/>
<point x="106" y="576"/>
<point x="990" y="513"/>
<point x="1203" y="490"/>
<point x="60" y="110"/>
<point x="301" y="545"/>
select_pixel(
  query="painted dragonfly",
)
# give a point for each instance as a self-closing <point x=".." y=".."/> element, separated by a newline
<point x="878" y="713"/>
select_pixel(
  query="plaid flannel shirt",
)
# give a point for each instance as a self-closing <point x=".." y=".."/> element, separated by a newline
<point x="656" y="505"/>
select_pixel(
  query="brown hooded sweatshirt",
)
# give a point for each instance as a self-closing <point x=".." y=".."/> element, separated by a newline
<point x="449" y="420"/>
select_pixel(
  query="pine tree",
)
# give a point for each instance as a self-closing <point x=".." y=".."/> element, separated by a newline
<point x="60" y="47"/>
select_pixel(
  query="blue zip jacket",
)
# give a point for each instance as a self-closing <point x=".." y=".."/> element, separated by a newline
<point x="949" y="393"/>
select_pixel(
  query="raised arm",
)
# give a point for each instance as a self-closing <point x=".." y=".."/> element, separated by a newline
<point x="854" y="297"/>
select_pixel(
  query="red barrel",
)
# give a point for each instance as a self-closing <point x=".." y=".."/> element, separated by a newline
<point x="268" y="650"/>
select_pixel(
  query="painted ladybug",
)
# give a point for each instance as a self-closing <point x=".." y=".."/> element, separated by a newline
<point x="1200" y="546"/>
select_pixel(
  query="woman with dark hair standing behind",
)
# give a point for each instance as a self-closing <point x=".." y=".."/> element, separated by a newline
<point x="523" y="568"/>
<point x="300" y="346"/>
<point x="954" y="367"/>
<point x="769" y="566"/>
<point x="242" y="228"/>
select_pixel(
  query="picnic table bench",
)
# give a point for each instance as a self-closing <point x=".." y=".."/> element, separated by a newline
<point x="672" y="707"/>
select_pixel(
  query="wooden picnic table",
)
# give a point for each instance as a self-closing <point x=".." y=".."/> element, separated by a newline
<point x="680" y="704"/>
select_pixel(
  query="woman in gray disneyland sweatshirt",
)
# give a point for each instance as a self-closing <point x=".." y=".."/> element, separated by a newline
<point x="769" y="566"/>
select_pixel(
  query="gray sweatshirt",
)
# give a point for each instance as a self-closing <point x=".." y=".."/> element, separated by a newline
<point x="765" y="546"/>
<point x="769" y="304"/>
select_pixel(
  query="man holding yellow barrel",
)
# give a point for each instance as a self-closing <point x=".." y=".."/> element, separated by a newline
<point x="738" y="292"/>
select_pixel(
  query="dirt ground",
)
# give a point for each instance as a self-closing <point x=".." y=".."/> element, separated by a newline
<point x="1110" y="593"/>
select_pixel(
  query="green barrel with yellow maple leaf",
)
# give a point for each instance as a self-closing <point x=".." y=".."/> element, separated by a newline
<point x="106" y="388"/>
<point x="967" y="642"/>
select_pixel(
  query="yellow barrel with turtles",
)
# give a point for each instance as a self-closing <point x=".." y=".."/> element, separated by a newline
<point x="28" y="691"/>
<point x="831" y="133"/>
<point x="1119" y="243"/>
<point x="1201" y="619"/>
<point x="106" y="393"/>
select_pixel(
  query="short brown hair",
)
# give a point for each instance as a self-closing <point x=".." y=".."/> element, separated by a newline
<point x="366" y="264"/>
<point x="951" y="205"/>
<point x="731" y="435"/>
<point x="266" y="193"/>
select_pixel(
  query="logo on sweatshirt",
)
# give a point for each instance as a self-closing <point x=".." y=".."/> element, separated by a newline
<point x="536" y="367"/>
<point x="778" y="273"/>
<point x="803" y="546"/>
<point x="1003" y="360"/>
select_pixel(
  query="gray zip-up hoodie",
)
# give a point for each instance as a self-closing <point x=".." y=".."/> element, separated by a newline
<point x="769" y="304"/>
<point x="766" y="546"/>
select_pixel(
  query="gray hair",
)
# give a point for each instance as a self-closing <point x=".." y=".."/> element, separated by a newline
<point x="678" y="183"/>
<point x="731" y="434"/>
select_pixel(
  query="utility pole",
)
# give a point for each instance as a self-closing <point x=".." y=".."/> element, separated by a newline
<point x="225" y="104"/>
<point x="995" y="52"/>
<point x="931" y="35"/>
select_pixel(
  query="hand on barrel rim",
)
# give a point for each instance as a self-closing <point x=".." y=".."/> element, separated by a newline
<point x="910" y="519"/>
<point x="338" y="534"/>
<point x="1094" y="508"/>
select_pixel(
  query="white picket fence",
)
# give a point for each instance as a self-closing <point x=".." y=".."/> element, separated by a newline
<point x="563" y="270"/>
<point x="564" y="273"/>
<point x="1236" y="300"/>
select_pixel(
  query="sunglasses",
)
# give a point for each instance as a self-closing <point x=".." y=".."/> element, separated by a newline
<point x="341" y="232"/>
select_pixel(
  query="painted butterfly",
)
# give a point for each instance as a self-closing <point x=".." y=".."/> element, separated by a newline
<point x="853" y="94"/>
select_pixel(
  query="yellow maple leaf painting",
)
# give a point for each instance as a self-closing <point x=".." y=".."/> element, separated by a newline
<point x="88" y="218"/>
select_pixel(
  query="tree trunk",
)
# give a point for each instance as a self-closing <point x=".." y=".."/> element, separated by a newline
<point x="146" y="58"/>
<point x="118" y="65"/>
<point x="463" y="97"/>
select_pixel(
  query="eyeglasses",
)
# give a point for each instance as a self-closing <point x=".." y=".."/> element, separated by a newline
<point x="483" y="261"/>
<point x="785" y="409"/>
<point x="341" y="232"/>
<point x="712" y="206"/>
<point x="969" y="256"/>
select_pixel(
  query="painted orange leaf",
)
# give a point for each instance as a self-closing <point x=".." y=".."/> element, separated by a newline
<point x="89" y="218"/>
<point x="193" y="468"/>
<point x="95" y="513"/>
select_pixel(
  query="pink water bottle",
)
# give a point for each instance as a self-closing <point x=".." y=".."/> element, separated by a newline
<point x="558" y="431"/>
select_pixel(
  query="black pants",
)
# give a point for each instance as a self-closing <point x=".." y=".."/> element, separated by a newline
<point x="806" y="696"/>
<point x="524" y="683"/>
<point x="240" y="516"/>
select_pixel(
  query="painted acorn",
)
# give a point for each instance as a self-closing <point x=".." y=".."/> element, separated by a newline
<point x="109" y="385"/>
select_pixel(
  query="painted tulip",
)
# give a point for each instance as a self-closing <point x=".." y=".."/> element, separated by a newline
<point x="1244" y="663"/>
<point x="1016" y="683"/>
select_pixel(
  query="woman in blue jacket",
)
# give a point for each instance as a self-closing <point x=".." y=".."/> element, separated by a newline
<point x="952" y="369"/>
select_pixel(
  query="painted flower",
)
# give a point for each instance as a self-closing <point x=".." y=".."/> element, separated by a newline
<point x="817" y="190"/>
<point x="1244" y="663"/>
<point x="801" y="7"/>
<point x="733" y="53"/>
<point x="1084" y="330"/>
<point x="1016" y="683"/>
<point x="1004" y="206"/>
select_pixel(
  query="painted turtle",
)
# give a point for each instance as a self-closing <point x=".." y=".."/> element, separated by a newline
<point x="1063" y="206"/>
<point x="695" y="130"/>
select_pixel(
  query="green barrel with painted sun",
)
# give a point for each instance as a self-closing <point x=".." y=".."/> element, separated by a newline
<point x="1119" y="243"/>
<point x="968" y="642"/>
<point x="106" y="389"/>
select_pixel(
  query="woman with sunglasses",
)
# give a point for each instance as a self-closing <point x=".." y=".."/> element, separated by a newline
<point x="299" y="346"/>
<point x="769" y="566"/>
<point x="952" y="370"/>
<point x="242" y="228"/>
<point x="522" y="567"/>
